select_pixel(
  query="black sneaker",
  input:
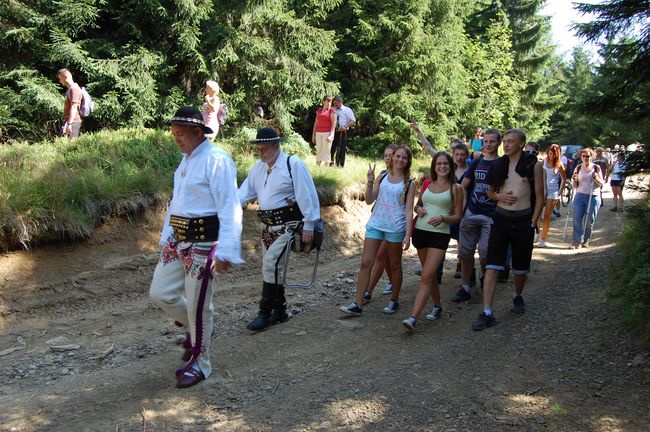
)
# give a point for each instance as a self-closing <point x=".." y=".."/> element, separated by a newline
<point x="518" y="305"/>
<point x="461" y="296"/>
<point x="483" y="322"/>
<point x="367" y="297"/>
<point x="353" y="309"/>
<point x="557" y="213"/>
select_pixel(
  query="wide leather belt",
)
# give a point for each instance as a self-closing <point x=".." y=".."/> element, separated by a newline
<point x="201" y="229"/>
<point x="280" y="215"/>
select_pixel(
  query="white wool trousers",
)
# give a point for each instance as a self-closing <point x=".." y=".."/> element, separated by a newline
<point x="176" y="287"/>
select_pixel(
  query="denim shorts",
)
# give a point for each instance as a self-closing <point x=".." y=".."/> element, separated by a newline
<point x="390" y="237"/>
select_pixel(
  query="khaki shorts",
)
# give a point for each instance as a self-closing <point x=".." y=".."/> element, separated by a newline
<point x="474" y="230"/>
<point x="323" y="147"/>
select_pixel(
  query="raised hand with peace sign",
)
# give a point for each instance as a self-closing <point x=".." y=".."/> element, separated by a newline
<point x="371" y="174"/>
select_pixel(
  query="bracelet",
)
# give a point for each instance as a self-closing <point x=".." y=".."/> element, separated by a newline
<point x="443" y="218"/>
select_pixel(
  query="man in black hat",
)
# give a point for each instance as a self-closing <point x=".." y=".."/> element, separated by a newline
<point x="288" y="202"/>
<point x="201" y="235"/>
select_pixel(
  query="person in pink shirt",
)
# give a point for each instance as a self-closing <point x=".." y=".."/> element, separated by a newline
<point x="323" y="131"/>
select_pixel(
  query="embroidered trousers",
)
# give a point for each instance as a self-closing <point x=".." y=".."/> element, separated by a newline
<point x="274" y="243"/>
<point x="176" y="287"/>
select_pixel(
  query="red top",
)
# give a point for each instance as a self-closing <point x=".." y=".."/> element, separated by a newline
<point x="324" y="119"/>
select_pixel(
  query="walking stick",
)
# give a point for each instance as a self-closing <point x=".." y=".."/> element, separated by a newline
<point x="568" y="213"/>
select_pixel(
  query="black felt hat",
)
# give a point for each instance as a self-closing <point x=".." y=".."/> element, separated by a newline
<point x="190" y="116"/>
<point x="266" y="135"/>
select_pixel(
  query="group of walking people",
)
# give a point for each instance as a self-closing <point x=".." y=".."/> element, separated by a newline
<point x="490" y="203"/>
<point x="497" y="202"/>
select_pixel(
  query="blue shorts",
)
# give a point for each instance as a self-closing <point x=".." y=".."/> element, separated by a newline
<point x="390" y="237"/>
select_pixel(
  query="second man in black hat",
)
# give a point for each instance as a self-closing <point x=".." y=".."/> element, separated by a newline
<point x="288" y="203"/>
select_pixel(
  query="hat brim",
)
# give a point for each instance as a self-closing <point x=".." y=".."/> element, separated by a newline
<point x="266" y="140"/>
<point x="206" y="129"/>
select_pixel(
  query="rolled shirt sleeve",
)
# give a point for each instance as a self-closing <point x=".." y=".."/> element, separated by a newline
<point x="306" y="195"/>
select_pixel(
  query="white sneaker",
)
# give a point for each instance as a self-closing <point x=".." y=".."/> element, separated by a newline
<point x="435" y="313"/>
<point x="392" y="307"/>
<point x="388" y="289"/>
<point x="409" y="323"/>
<point x="541" y="243"/>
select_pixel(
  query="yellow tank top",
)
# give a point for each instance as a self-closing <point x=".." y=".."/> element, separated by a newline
<point x="435" y="203"/>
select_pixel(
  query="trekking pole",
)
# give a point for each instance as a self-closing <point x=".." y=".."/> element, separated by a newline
<point x="568" y="214"/>
<point x="586" y="217"/>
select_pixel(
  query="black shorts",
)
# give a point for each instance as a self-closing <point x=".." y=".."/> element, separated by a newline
<point x="617" y="183"/>
<point x="428" y="239"/>
<point x="511" y="231"/>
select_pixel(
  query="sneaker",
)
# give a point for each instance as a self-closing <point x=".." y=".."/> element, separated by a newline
<point x="461" y="296"/>
<point x="557" y="213"/>
<point x="435" y="313"/>
<point x="483" y="322"/>
<point x="418" y="271"/>
<point x="353" y="309"/>
<point x="392" y="307"/>
<point x="367" y="297"/>
<point x="458" y="273"/>
<point x="388" y="289"/>
<point x="613" y="209"/>
<point x="518" y="305"/>
<point x="409" y="323"/>
<point x="541" y="243"/>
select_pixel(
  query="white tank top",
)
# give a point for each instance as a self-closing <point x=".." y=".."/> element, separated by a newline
<point x="552" y="178"/>
<point x="388" y="214"/>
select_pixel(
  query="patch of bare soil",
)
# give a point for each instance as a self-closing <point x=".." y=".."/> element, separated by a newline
<point x="83" y="349"/>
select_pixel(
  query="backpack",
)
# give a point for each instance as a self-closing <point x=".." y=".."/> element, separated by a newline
<point x="87" y="105"/>
<point x="222" y="114"/>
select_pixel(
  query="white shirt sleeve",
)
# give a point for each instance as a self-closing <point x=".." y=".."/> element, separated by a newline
<point x="306" y="195"/>
<point x="247" y="189"/>
<point x="223" y="188"/>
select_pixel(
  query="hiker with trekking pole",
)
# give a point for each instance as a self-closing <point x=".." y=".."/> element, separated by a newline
<point x="587" y="180"/>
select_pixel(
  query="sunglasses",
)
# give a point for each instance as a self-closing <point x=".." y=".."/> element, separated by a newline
<point x="586" y="156"/>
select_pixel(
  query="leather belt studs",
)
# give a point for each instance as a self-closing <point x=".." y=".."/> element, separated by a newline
<point x="280" y="215"/>
<point x="201" y="229"/>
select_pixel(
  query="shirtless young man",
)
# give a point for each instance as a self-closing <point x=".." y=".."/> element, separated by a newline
<point x="515" y="181"/>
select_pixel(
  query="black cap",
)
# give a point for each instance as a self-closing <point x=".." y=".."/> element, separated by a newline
<point x="190" y="116"/>
<point x="266" y="135"/>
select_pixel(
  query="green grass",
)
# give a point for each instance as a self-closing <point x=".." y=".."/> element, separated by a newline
<point x="630" y="272"/>
<point x="58" y="190"/>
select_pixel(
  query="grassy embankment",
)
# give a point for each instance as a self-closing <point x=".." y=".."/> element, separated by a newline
<point x="631" y="273"/>
<point x="59" y="190"/>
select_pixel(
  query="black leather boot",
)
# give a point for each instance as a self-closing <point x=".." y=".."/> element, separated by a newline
<point x="279" y="314"/>
<point x="262" y="320"/>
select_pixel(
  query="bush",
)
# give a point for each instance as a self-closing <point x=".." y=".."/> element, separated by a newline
<point x="631" y="271"/>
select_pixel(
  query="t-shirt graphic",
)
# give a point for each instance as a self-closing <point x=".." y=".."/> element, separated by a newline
<point x="478" y="201"/>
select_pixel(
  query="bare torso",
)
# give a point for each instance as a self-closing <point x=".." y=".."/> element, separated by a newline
<point x="518" y="187"/>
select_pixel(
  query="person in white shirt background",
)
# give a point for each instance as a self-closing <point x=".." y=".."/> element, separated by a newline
<point x="345" y="120"/>
<point x="201" y="234"/>
<point x="288" y="202"/>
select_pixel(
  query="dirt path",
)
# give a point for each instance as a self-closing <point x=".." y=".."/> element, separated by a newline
<point x="557" y="368"/>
